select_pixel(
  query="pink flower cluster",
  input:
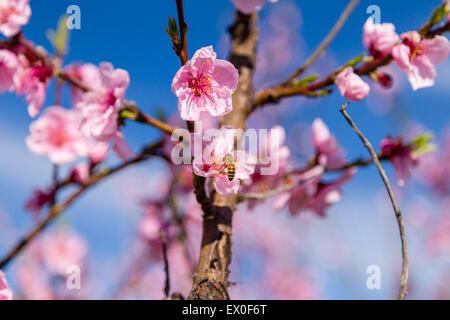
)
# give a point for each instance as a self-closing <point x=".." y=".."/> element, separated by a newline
<point x="250" y="6"/>
<point x="21" y="72"/>
<point x="414" y="54"/>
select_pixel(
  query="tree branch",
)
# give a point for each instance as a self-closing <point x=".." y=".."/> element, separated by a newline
<point x="62" y="75"/>
<point x="324" y="44"/>
<point x="398" y="215"/>
<point x="57" y="209"/>
<point x="275" y="93"/>
<point x="211" y="276"/>
<point x="162" y="237"/>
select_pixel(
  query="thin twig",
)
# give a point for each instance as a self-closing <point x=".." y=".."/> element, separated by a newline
<point x="162" y="237"/>
<point x="183" y="32"/>
<point x="56" y="210"/>
<point x="325" y="42"/>
<point x="398" y="214"/>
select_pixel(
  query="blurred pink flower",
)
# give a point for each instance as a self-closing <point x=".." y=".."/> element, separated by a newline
<point x="205" y="84"/>
<point x="100" y="107"/>
<point x="57" y="134"/>
<point x="5" y="292"/>
<point x="328" y="153"/>
<point x="214" y="165"/>
<point x="121" y="148"/>
<point x="80" y="173"/>
<point x="13" y="15"/>
<point x="351" y="85"/>
<point x="9" y="66"/>
<point x="439" y="238"/>
<point x="417" y="57"/>
<point x="401" y="155"/>
<point x="250" y="6"/>
<point x="434" y="167"/>
<point x="273" y="155"/>
<point x="150" y="225"/>
<point x="61" y="249"/>
<point x="34" y="282"/>
<point x="38" y="200"/>
<point x="287" y="282"/>
<point x="98" y="152"/>
<point x="379" y="39"/>
<point x="88" y="74"/>
<point x="314" y="195"/>
<point x="33" y="81"/>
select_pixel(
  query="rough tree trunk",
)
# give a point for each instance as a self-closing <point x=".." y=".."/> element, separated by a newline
<point x="211" y="275"/>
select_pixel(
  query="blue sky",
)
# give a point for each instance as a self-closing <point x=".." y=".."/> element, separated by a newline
<point x="130" y="34"/>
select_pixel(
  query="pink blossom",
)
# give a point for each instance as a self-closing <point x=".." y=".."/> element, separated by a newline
<point x="9" y="65"/>
<point x="33" y="81"/>
<point x="417" y="57"/>
<point x="63" y="248"/>
<point x="272" y="163"/>
<point x="214" y="164"/>
<point x="401" y="155"/>
<point x="351" y="85"/>
<point x="100" y="107"/>
<point x="379" y="39"/>
<point x="13" y="15"/>
<point x="314" y="195"/>
<point x="435" y="167"/>
<point x="80" y="173"/>
<point x="121" y="148"/>
<point x="57" y="134"/>
<point x="5" y="292"/>
<point x="150" y="225"/>
<point x="205" y="84"/>
<point x="88" y="74"/>
<point x="328" y="153"/>
<point x="98" y="152"/>
<point x="250" y="6"/>
<point x="38" y="200"/>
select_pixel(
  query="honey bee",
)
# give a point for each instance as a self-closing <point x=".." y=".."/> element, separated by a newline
<point x="231" y="166"/>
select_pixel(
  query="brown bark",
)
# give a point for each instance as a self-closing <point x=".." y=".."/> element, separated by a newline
<point x="211" y="275"/>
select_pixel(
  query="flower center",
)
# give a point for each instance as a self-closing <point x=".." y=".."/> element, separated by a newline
<point x="42" y="73"/>
<point x="60" y="138"/>
<point x="5" y="13"/>
<point x="416" y="48"/>
<point x="201" y="85"/>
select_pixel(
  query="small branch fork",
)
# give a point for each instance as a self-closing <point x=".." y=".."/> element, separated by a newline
<point x="398" y="214"/>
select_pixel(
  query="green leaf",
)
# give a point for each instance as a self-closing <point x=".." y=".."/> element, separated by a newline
<point x="439" y="14"/>
<point x="60" y="37"/>
<point x="306" y="80"/>
<point x="355" y="61"/>
<point x="422" y="145"/>
<point x="127" y="114"/>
